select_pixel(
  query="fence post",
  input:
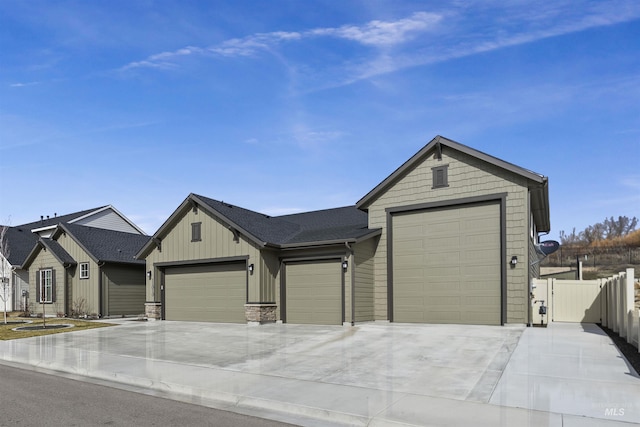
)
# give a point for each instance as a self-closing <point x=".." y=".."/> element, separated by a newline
<point x="603" y="302"/>
<point x="622" y="305"/>
<point x="630" y="302"/>
<point x="610" y="305"/>
<point x="616" y="303"/>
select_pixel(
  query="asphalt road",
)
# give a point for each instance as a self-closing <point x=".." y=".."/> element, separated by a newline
<point x="29" y="398"/>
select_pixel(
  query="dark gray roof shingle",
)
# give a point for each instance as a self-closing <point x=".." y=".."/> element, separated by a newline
<point x="20" y="241"/>
<point x="107" y="245"/>
<point x="318" y="226"/>
<point x="58" y="251"/>
<point x="58" y="219"/>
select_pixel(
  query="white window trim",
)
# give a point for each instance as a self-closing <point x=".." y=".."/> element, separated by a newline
<point x="46" y="285"/>
<point x="84" y="273"/>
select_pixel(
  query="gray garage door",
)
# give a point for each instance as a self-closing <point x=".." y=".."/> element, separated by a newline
<point x="211" y="293"/>
<point x="446" y="265"/>
<point x="314" y="292"/>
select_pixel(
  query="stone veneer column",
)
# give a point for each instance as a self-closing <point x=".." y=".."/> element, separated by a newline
<point x="153" y="310"/>
<point x="260" y="313"/>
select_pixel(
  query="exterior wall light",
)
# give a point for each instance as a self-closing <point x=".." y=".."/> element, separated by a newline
<point x="250" y="268"/>
<point x="345" y="265"/>
<point x="149" y="274"/>
<point x="514" y="261"/>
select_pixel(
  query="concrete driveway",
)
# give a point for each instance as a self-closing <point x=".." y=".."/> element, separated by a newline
<point x="371" y="374"/>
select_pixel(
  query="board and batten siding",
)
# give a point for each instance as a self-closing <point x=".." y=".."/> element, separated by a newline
<point x="364" y="279"/>
<point x="45" y="260"/>
<point x="20" y="282"/>
<point x="124" y="289"/>
<point x="217" y="242"/>
<point x="468" y="177"/>
<point x="108" y="220"/>
<point x="82" y="293"/>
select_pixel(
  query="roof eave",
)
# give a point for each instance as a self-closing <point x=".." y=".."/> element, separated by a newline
<point x="333" y="242"/>
<point x="226" y="220"/>
<point x="540" y="206"/>
<point x="185" y="205"/>
<point x="366" y="201"/>
<point x="63" y="229"/>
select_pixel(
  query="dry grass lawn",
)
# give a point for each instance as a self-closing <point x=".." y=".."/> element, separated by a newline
<point x="7" y="332"/>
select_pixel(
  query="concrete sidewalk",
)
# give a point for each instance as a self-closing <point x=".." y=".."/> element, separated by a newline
<point x="372" y="374"/>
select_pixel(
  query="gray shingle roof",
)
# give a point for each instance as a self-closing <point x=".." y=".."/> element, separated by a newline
<point x="58" y="219"/>
<point x="324" y="225"/>
<point x="58" y="251"/>
<point x="21" y="241"/>
<point x="107" y="245"/>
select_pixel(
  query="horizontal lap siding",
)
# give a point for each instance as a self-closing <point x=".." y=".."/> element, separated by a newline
<point x="467" y="177"/>
<point x="108" y="220"/>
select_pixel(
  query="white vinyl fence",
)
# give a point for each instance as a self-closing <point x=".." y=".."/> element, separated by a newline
<point x="609" y="301"/>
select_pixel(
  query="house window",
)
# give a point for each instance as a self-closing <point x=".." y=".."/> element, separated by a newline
<point x="84" y="270"/>
<point x="46" y="286"/>
<point x="196" y="231"/>
<point x="440" y="176"/>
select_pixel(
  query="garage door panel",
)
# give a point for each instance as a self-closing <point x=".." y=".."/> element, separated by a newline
<point x="460" y="280"/>
<point x="211" y="293"/>
<point x="314" y="292"/>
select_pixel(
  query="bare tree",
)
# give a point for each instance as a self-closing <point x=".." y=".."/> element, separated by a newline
<point x="5" y="269"/>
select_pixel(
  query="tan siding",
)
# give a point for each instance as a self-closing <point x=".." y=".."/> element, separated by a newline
<point x="43" y="260"/>
<point x="217" y="242"/>
<point x="364" y="295"/>
<point x="125" y="290"/>
<point x="269" y="271"/>
<point x="314" y="292"/>
<point x="82" y="289"/>
<point x="468" y="177"/>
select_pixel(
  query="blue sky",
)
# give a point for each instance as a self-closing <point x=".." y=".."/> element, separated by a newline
<point x="287" y="106"/>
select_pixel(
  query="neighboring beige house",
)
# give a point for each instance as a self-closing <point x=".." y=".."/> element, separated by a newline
<point x="82" y="270"/>
<point x="446" y="238"/>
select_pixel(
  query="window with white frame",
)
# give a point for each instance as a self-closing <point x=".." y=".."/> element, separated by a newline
<point x="84" y="270"/>
<point x="46" y="285"/>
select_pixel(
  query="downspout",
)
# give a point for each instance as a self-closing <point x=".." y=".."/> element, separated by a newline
<point x="100" y="297"/>
<point x="353" y="283"/>
<point x="529" y="266"/>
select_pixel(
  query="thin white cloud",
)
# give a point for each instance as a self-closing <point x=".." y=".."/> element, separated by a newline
<point x="24" y="84"/>
<point x="163" y="60"/>
<point x="383" y="33"/>
<point x="374" y="33"/>
<point x="423" y="37"/>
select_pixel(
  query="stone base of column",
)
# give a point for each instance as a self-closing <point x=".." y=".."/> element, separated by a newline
<point x="260" y="313"/>
<point x="153" y="310"/>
